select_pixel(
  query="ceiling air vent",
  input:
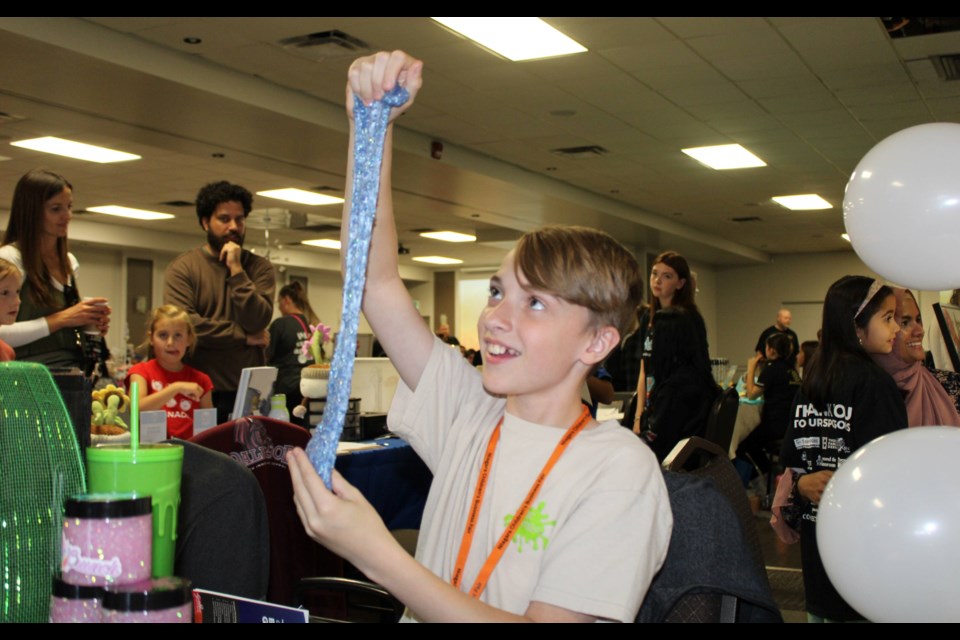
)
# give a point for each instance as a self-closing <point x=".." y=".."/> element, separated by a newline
<point x="948" y="66"/>
<point x="325" y="45"/>
<point x="590" y="151"/>
<point x="746" y="219"/>
<point x="178" y="203"/>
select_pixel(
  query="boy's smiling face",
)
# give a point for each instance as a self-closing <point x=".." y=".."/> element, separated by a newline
<point x="535" y="344"/>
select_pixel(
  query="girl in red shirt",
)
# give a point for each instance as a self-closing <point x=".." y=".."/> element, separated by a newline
<point x="165" y="382"/>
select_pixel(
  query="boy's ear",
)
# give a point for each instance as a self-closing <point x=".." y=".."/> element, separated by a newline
<point x="603" y="342"/>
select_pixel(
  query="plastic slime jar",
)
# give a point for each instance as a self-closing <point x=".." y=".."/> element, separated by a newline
<point x="158" y="600"/>
<point x="107" y="539"/>
<point x="74" y="602"/>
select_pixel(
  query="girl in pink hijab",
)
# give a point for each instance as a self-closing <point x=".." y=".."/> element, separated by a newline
<point x="927" y="401"/>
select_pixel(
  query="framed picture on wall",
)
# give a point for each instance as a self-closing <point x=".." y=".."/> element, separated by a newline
<point x="948" y="316"/>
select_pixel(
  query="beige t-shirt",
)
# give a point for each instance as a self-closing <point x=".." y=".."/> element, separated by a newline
<point x="594" y="537"/>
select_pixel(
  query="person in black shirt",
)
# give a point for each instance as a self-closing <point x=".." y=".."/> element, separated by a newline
<point x="288" y="334"/>
<point x="672" y="284"/>
<point x="782" y="325"/>
<point x="845" y="401"/>
<point x="778" y="383"/>
<point x="684" y="388"/>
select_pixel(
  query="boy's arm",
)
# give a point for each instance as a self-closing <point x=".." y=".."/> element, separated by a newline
<point x="345" y="523"/>
<point x="386" y="303"/>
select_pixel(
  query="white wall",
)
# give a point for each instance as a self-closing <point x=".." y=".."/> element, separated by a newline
<point x="749" y="297"/>
<point x="706" y="300"/>
<point x="473" y="290"/>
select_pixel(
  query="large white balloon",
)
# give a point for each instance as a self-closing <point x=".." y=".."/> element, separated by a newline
<point x="901" y="207"/>
<point x="888" y="527"/>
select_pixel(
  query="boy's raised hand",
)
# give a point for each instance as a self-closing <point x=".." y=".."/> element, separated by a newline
<point x="373" y="76"/>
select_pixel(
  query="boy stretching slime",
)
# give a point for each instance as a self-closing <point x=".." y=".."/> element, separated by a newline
<point x="586" y="545"/>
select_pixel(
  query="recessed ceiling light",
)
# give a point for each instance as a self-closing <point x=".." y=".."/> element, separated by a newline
<point x="438" y="260"/>
<point x="77" y="150"/>
<point x="845" y="236"/>
<point x="324" y="243"/>
<point x="127" y="212"/>
<point x="449" y="236"/>
<point x="300" y="196"/>
<point x="803" y="202"/>
<point x="724" y="156"/>
<point x="515" y="38"/>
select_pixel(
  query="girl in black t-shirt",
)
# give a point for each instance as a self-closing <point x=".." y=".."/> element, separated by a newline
<point x="778" y="383"/>
<point x="679" y="402"/>
<point x="672" y="284"/>
<point x="845" y="401"/>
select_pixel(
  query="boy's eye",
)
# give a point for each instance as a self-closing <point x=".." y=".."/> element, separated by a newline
<point x="536" y="303"/>
<point x="494" y="292"/>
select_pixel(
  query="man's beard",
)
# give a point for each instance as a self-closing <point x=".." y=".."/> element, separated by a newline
<point x="216" y="242"/>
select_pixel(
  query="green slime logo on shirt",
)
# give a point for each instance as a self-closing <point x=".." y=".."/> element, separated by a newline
<point x="532" y="528"/>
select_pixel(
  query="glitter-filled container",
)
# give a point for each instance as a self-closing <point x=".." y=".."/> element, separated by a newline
<point x="107" y="539"/>
<point x="74" y="602"/>
<point x="158" y="600"/>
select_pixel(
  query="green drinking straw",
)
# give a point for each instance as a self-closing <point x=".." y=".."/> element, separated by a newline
<point x="134" y="417"/>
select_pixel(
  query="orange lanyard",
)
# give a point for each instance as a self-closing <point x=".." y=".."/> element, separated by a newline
<point x="520" y="514"/>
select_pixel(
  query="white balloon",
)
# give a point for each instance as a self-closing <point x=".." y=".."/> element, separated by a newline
<point x="888" y="527"/>
<point x="901" y="207"/>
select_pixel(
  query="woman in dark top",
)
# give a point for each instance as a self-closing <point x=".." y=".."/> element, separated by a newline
<point x="288" y="335"/>
<point x="54" y="325"/>
<point x="671" y="285"/>
<point x="845" y="401"/>
<point x="679" y="402"/>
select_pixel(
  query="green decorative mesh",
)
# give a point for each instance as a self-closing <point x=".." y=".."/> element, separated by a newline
<point x="41" y="466"/>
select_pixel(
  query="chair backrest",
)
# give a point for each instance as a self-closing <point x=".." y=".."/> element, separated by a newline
<point x="347" y="600"/>
<point x="709" y="574"/>
<point x="41" y="467"/>
<point x="707" y="460"/>
<point x="723" y="418"/>
<point x="221" y="501"/>
<point x="261" y="445"/>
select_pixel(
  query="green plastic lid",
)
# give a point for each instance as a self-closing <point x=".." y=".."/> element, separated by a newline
<point x="150" y="452"/>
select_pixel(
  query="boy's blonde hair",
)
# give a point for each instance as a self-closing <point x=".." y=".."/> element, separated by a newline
<point x="585" y="267"/>
<point x="8" y="269"/>
<point x="168" y="312"/>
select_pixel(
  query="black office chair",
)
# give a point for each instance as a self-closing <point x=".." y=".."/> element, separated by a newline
<point x="723" y="418"/>
<point x="348" y="600"/>
<point x="714" y="570"/>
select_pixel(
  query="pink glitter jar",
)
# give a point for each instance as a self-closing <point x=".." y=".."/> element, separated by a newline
<point x="107" y="539"/>
<point x="74" y="602"/>
<point x="158" y="600"/>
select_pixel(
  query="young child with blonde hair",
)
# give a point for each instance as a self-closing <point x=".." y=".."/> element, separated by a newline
<point x="165" y="382"/>
<point x="10" y="278"/>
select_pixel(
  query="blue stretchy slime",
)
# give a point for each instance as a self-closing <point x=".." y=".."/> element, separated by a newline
<point x="371" y="128"/>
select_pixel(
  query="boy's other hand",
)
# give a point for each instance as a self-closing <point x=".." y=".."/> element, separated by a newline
<point x="373" y="76"/>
